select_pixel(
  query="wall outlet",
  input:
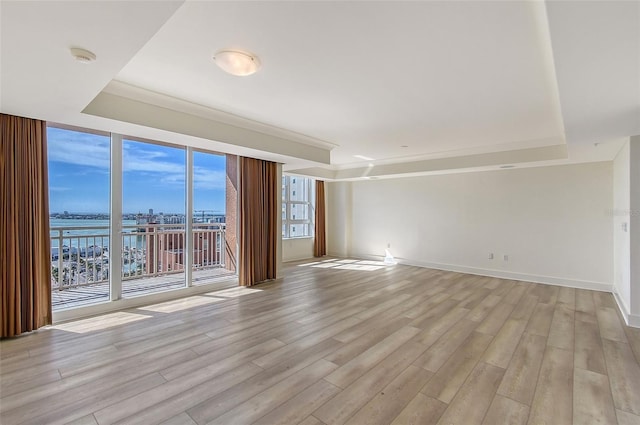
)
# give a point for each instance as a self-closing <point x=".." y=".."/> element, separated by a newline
<point x="491" y="256"/>
<point x="388" y="244"/>
<point x="505" y="257"/>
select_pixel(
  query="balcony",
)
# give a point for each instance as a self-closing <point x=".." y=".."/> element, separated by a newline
<point x="152" y="260"/>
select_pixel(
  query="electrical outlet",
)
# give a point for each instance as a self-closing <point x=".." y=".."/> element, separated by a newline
<point x="491" y="256"/>
<point x="506" y="257"/>
<point x="388" y="244"/>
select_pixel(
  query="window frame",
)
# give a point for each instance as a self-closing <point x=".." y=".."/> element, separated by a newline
<point x="287" y="220"/>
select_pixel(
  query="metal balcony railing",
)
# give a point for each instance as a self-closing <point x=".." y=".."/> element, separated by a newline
<point x="80" y="255"/>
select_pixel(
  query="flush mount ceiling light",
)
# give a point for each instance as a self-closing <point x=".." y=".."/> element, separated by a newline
<point x="82" y="55"/>
<point x="236" y="62"/>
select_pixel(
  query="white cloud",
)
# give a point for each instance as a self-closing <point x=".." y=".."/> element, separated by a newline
<point x="93" y="151"/>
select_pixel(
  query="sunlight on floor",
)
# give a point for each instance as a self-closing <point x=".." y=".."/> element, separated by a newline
<point x="347" y="264"/>
<point x="102" y="322"/>
<point x="181" y="304"/>
<point x="234" y="292"/>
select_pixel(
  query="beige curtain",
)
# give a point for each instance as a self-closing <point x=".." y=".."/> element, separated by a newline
<point x="320" y="241"/>
<point x="25" y="256"/>
<point x="258" y="218"/>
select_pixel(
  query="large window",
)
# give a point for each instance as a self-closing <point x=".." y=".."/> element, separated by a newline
<point x="298" y="196"/>
<point x="153" y="217"/>
<point x="132" y="217"/>
<point x="79" y="176"/>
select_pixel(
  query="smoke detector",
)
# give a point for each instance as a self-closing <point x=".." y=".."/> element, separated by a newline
<point x="82" y="55"/>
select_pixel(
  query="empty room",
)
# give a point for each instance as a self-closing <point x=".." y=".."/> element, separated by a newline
<point x="320" y="212"/>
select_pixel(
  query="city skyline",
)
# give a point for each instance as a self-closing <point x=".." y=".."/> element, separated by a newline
<point x="153" y="176"/>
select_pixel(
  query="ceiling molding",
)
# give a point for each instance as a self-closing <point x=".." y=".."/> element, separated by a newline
<point x="121" y="89"/>
<point x="452" y="164"/>
<point x="136" y="112"/>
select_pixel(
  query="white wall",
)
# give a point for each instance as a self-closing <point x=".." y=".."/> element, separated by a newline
<point x="621" y="237"/>
<point x="554" y="223"/>
<point x="297" y="249"/>
<point x="634" y="229"/>
<point x="338" y="221"/>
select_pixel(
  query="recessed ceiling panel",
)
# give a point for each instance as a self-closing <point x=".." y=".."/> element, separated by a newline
<point x="368" y="76"/>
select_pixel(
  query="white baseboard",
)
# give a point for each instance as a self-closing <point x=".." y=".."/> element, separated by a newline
<point x="630" y="319"/>
<point x="502" y="274"/>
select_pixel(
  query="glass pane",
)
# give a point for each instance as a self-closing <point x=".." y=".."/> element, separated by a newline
<point x="79" y="182"/>
<point x="153" y="207"/>
<point x="209" y="218"/>
<point x="299" y="211"/>
<point x="298" y="190"/>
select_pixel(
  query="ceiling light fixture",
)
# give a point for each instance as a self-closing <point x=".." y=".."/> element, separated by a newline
<point x="236" y="62"/>
<point x="82" y="55"/>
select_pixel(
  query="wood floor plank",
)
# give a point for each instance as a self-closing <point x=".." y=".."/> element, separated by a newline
<point x="506" y="411"/>
<point x="553" y="399"/>
<point x="205" y="410"/>
<point x="603" y="299"/>
<point x="588" y="348"/>
<point x="592" y="402"/>
<point x="519" y="382"/>
<point x="567" y="296"/>
<point x="277" y="356"/>
<point x="222" y="362"/>
<point x="624" y="375"/>
<point x="610" y="326"/>
<point x="266" y="401"/>
<point x="85" y="420"/>
<point x="366" y="341"/>
<point x="446" y="345"/>
<point x="312" y="420"/>
<point x="561" y="334"/>
<point x="525" y="307"/>
<point x="132" y="410"/>
<point x="389" y="402"/>
<point x="471" y="403"/>
<point x="584" y="302"/>
<point x="515" y="294"/>
<point x="504" y="344"/>
<point x="626" y="418"/>
<point x="479" y="312"/>
<point x="408" y="344"/>
<point x="633" y="337"/>
<point x="68" y="410"/>
<point x="344" y="405"/>
<point x="162" y="402"/>
<point x="298" y="408"/>
<point x="422" y="410"/>
<point x="352" y="370"/>
<point x="439" y="326"/>
<point x="181" y="419"/>
<point x="445" y="384"/>
<point x="540" y="321"/>
<point x="492" y="324"/>
<point x="91" y="382"/>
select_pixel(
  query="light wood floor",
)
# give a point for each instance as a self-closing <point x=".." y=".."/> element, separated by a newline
<point x="349" y="342"/>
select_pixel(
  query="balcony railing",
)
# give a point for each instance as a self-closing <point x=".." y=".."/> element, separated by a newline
<point x="80" y="255"/>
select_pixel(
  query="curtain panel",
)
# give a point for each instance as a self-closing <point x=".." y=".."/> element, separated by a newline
<point x="320" y="240"/>
<point x="25" y="290"/>
<point x="258" y="220"/>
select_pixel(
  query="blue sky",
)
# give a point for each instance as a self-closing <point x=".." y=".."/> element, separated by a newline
<point x="154" y="176"/>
